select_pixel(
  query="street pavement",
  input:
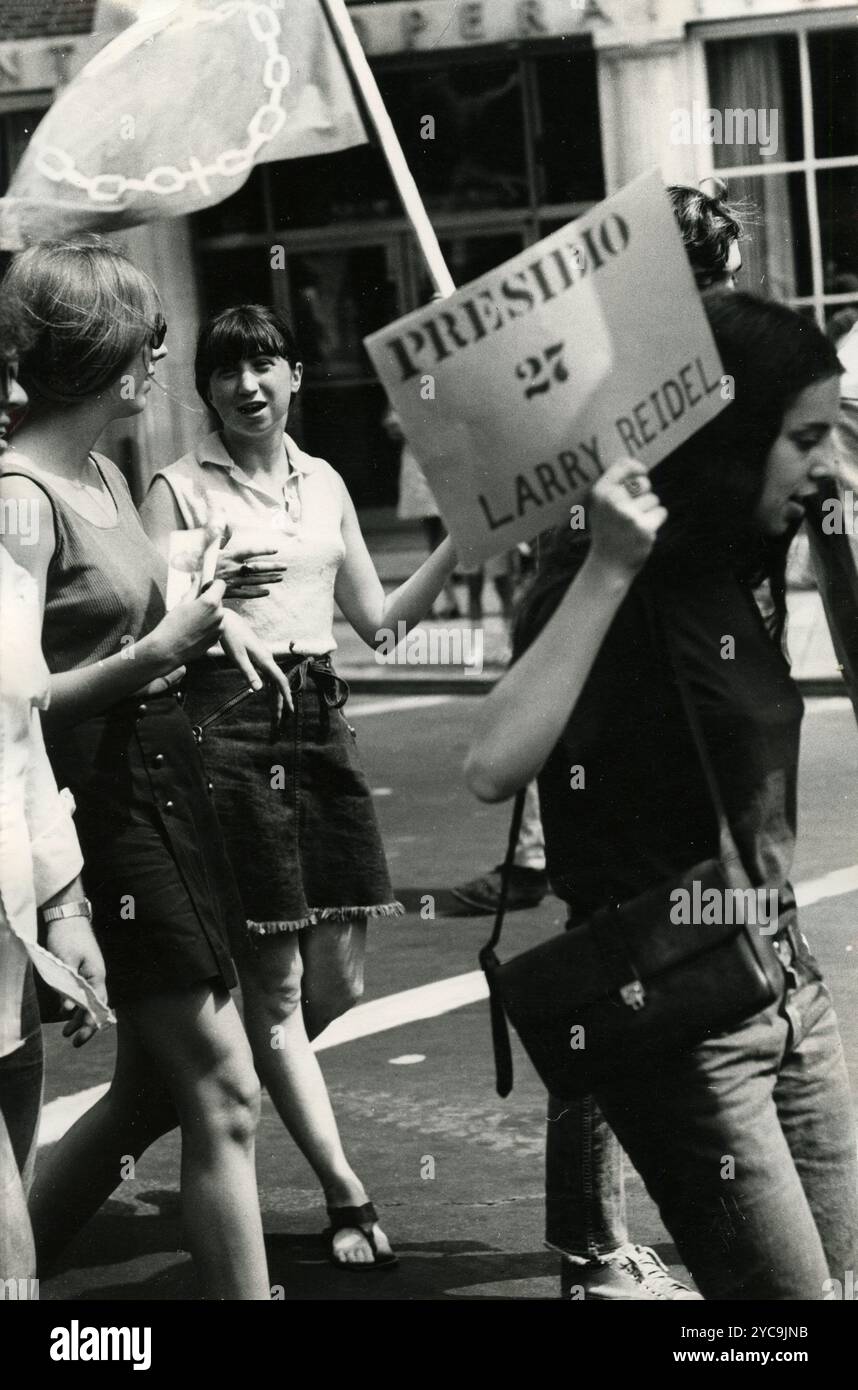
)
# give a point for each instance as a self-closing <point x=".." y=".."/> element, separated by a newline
<point x="455" y="1171"/>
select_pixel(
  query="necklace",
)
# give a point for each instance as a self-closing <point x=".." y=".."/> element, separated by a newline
<point x="96" y="494"/>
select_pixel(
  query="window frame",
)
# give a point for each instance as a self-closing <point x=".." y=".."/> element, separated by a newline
<point x="800" y="25"/>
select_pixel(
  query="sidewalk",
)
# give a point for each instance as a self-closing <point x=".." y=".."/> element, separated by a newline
<point x="441" y="669"/>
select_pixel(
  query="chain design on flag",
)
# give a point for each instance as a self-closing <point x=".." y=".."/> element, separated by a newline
<point x="58" y="166"/>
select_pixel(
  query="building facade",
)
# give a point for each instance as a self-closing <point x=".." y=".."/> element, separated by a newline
<point x="516" y="116"/>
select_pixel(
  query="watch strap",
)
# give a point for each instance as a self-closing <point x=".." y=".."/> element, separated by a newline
<point x="81" y="907"/>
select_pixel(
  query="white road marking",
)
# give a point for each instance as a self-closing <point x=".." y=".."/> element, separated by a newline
<point x="410" y="1006"/>
<point x="398" y="702"/>
<point x="408" y="1059"/>
<point x="827" y="704"/>
<point x="60" y="1115"/>
<point x="832" y="885"/>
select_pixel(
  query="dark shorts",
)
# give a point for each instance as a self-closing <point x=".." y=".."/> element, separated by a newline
<point x="155" y="866"/>
<point x="295" y="807"/>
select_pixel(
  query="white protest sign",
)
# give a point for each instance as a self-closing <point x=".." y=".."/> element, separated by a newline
<point x="518" y="391"/>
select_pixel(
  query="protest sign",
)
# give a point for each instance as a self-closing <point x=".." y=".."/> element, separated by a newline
<point x="518" y="391"/>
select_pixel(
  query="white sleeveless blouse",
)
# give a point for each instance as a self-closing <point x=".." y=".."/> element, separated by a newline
<point x="298" y="613"/>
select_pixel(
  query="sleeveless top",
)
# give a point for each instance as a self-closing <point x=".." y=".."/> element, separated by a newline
<point x="306" y="524"/>
<point x="105" y="586"/>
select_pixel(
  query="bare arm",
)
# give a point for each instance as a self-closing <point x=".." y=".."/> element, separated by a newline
<point x="520" y="722"/>
<point x="244" y="569"/>
<point x="359" y="590"/>
<point x="185" y="633"/>
<point x="159" y="512"/>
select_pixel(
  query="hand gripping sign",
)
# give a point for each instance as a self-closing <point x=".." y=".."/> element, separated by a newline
<point x="518" y="391"/>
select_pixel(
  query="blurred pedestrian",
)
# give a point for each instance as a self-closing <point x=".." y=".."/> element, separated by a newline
<point x="686" y="548"/>
<point x="40" y="864"/>
<point x="154" y="863"/>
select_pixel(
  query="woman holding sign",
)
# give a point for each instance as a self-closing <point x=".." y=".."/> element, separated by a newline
<point x="747" y="1140"/>
<point x="294" y="804"/>
<point x="154" y="863"/>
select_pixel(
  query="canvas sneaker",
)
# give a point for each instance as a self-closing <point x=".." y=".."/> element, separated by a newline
<point x="631" y="1272"/>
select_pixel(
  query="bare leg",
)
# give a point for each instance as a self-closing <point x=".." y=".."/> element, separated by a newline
<point x="271" y="975"/>
<point x="189" y="1046"/>
<point x="86" y="1165"/>
<point x="196" y="1039"/>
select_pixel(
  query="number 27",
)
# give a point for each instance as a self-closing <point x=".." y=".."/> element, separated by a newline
<point x="540" y="372"/>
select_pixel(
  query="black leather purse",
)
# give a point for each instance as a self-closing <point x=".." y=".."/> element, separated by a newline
<point x="631" y="986"/>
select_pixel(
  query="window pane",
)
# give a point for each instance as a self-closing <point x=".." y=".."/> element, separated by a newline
<point x="16" y="127"/>
<point x="840" y="319"/>
<point x="343" y="424"/>
<point x="776" y="254"/>
<point x="568" y="141"/>
<point x="475" y="158"/>
<point x="342" y="187"/>
<point x="337" y="298"/>
<point x="834" y="76"/>
<point x="235" y="277"/>
<point x="243" y="212"/>
<point x="470" y="256"/>
<point x="756" y="81"/>
<point x="837" y="191"/>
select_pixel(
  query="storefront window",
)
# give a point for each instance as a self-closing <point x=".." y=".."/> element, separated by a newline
<point x="837" y="193"/>
<point x="16" y="127"/>
<point x="462" y="129"/>
<point x="338" y="297"/>
<point x="331" y="188"/>
<point x="797" y="161"/>
<point x="235" y="277"/>
<point x="834" y="81"/>
<point x="776" y="259"/>
<point x="755" y="76"/>
<point x="568" y="141"/>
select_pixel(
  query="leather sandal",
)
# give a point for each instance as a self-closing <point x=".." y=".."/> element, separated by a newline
<point x="361" y="1219"/>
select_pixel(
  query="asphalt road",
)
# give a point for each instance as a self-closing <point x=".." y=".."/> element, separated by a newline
<point x="456" y="1172"/>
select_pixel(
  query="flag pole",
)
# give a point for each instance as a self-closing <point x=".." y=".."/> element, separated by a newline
<point x="352" y="50"/>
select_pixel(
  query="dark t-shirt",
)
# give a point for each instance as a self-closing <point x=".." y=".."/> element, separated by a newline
<point x="644" y="814"/>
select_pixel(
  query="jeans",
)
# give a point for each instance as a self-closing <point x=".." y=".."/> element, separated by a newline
<point x="20" y="1106"/>
<point x="747" y="1146"/>
<point x="585" y="1205"/>
<point x="530" y="850"/>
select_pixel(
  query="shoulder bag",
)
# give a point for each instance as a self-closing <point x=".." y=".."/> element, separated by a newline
<point x="630" y="987"/>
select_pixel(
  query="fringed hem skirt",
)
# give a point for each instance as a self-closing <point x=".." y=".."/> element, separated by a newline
<point x="294" y="805"/>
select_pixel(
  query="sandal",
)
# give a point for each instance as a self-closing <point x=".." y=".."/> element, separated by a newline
<point x="361" y="1219"/>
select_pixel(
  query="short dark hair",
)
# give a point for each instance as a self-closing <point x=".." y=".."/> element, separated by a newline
<point x="245" y="330"/>
<point x="709" y="225"/>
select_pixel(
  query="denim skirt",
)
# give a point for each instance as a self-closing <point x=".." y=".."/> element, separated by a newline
<point x="164" y="900"/>
<point x="294" y="805"/>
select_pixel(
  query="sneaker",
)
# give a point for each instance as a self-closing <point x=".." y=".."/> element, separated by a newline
<point x="527" y="888"/>
<point x="632" y="1272"/>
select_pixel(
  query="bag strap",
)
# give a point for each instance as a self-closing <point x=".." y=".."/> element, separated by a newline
<point x="728" y="850"/>
<point x="489" y="961"/>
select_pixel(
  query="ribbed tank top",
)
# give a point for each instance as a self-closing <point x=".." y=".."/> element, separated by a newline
<point x="106" y="584"/>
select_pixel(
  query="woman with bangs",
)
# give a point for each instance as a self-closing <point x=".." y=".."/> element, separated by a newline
<point x="293" y="802"/>
<point x="162" y="899"/>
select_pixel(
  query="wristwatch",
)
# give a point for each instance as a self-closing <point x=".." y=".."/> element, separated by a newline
<point x="82" y="907"/>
